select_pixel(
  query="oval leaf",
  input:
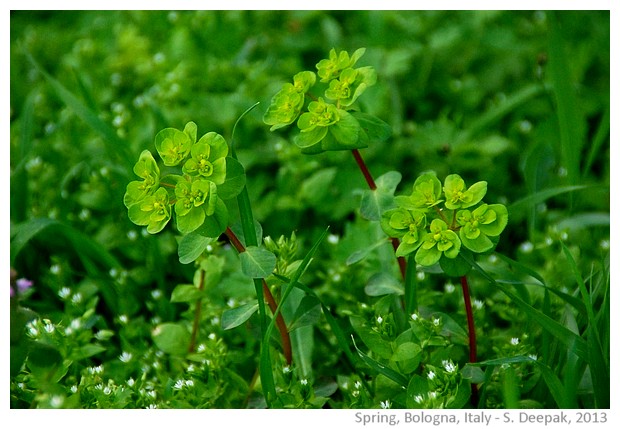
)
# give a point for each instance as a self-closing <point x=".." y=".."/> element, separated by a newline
<point x="171" y="338"/>
<point x="237" y="316"/>
<point x="257" y="262"/>
<point x="191" y="247"/>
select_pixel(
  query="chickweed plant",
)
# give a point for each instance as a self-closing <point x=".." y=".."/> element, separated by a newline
<point x="402" y="308"/>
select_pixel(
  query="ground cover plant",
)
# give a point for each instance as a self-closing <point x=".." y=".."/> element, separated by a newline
<point x="310" y="209"/>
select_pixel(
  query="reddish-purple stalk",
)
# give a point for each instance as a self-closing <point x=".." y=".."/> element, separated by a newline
<point x="402" y="262"/>
<point x="273" y="305"/>
<point x="473" y="354"/>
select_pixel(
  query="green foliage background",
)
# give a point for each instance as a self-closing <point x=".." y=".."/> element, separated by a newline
<point x="520" y="99"/>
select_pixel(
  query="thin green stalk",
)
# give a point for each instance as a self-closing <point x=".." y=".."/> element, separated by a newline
<point x="196" y="324"/>
<point x="247" y="224"/>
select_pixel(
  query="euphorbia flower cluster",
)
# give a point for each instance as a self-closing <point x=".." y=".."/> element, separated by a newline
<point x="330" y="121"/>
<point x="432" y="231"/>
<point x="193" y="194"/>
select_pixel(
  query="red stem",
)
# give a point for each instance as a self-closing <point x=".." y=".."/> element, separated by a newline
<point x="402" y="263"/>
<point x="472" y="334"/>
<point x="273" y="305"/>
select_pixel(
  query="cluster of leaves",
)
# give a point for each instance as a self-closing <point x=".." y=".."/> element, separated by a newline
<point x="209" y="176"/>
<point x="437" y="233"/>
<point x="329" y="123"/>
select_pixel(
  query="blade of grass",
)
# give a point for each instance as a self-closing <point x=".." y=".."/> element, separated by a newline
<point x="572" y="341"/>
<point x="247" y="224"/>
<point x="380" y="368"/>
<point x="19" y="176"/>
<point x="519" y="208"/>
<point x="602" y="134"/>
<point x="599" y="365"/>
<point x="571" y="119"/>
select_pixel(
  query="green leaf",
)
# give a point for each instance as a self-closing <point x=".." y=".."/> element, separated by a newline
<point x="257" y="262"/>
<point x="235" y="180"/>
<point x="455" y="267"/>
<point x="383" y="284"/>
<point x="191" y="247"/>
<point x="87" y="351"/>
<point x="190" y="221"/>
<point x="186" y="293"/>
<point x="237" y="316"/>
<point x="346" y="131"/>
<point x="45" y="362"/>
<point x="375" y="202"/>
<point x="214" y="225"/>
<point x="307" y="313"/>
<point x="171" y="338"/>
<point x="372" y="129"/>
<point x="371" y="339"/>
<point x="380" y="368"/>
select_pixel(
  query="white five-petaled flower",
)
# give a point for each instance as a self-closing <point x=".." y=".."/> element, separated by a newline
<point x="449" y="366"/>
<point x="431" y="375"/>
<point x="436" y="321"/>
<point x="286" y="369"/>
<point x="125" y="357"/>
<point x="418" y="398"/>
<point x="379" y="320"/>
<point x="478" y="304"/>
<point x="414" y="316"/>
<point x="514" y="341"/>
<point x="304" y="381"/>
<point x="178" y="385"/>
<point x="386" y="404"/>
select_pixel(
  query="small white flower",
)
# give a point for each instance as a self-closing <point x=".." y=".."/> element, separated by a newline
<point x="533" y="357"/>
<point x="56" y="401"/>
<point x="432" y="394"/>
<point x="304" y="381"/>
<point x="191" y="368"/>
<point x="478" y="305"/>
<point x="152" y="394"/>
<point x="189" y="383"/>
<point x="336" y="277"/>
<point x="231" y="302"/>
<point x="215" y="321"/>
<point x="74" y="389"/>
<point x="99" y="386"/>
<point x="64" y="292"/>
<point x="449" y="287"/>
<point x="125" y="357"/>
<point x="604" y="244"/>
<point x="355" y="393"/>
<point x="379" y="320"/>
<point x="151" y="407"/>
<point x="526" y="247"/>
<point x="333" y="239"/>
<point x="449" y="366"/>
<point x="178" y="385"/>
<point x="358" y="384"/>
<point x="76" y="298"/>
<point x="212" y="336"/>
<point x="418" y="398"/>
<point x="49" y="327"/>
<point x="414" y="316"/>
<point x="55" y="269"/>
<point x="386" y="404"/>
<point x="420" y="275"/>
<point x="98" y="369"/>
<point x="514" y="341"/>
<point x="107" y="390"/>
<point x="431" y="375"/>
<point x="286" y="369"/>
<point x="436" y="321"/>
<point x="123" y="319"/>
<point x="156" y="294"/>
<point x="492" y="259"/>
<point x="76" y="324"/>
<point x="131" y="382"/>
<point x="132" y="235"/>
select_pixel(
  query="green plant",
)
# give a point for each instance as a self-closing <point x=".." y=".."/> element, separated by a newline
<point x="174" y="296"/>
